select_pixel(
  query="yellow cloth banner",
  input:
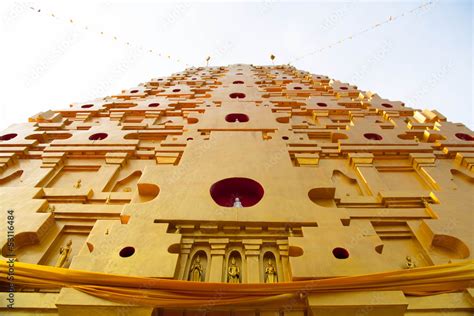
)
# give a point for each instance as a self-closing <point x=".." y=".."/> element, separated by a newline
<point x="176" y="293"/>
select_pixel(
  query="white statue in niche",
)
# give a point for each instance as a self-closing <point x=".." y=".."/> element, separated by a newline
<point x="237" y="202"/>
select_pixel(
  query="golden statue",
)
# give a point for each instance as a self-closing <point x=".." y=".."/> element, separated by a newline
<point x="77" y="185"/>
<point x="196" y="272"/>
<point x="233" y="273"/>
<point x="270" y="273"/>
<point x="410" y="263"/>
<point x="64" y="253"/>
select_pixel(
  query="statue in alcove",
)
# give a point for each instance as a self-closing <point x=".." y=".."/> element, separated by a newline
<point x="196" y="272"/>
<point x="410" y="263"/>
<point x="270" y="273"/>
<point x="64" y="253"/>
<point x="78" y="184"/>
<point x="233" y="272"/>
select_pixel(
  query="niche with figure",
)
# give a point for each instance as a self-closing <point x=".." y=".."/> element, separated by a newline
<point x="234" y="268"/>
<point x="197" y="269"/>
<point x="270" y="268"/>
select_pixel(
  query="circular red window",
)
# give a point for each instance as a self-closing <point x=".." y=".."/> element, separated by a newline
<point x="464" y="136"/>
<point x="344" y="88"/>
<point x="127" y="252"/>
<point x="386" y="105"/>
<point x="8" y="136"/>
<point x="176" y="90"/>
<point x="322" y="104"/>
<point x="238" y="82"/>
<point x="153" y="105"/>
<point x="297" y="88"/>
<point x="98" y="136"/>
<point x="236" y="117"/>
<point x="237" y="95"/>
<point x="229" y="192"/>
<point x="373" y="136"/>
<point x="86" y="106"/>
<point x="134" y="91"/>
<point x="340" y="253"/>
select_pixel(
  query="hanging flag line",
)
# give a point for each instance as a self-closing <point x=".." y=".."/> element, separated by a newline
<point x="370" y="28"/>
<point x="110" y="36"/>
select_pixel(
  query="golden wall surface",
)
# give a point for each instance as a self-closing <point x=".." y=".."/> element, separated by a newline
<point x="332" y="181"/>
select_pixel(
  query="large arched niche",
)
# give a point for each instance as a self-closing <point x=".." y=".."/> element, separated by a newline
<point x="225" y="192"/>
<point x="270" y="254"/>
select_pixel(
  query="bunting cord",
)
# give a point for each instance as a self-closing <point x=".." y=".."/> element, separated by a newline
<point x="368" y="29"/>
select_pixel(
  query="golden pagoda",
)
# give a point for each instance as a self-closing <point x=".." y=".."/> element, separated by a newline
<point x="238" y="175"/>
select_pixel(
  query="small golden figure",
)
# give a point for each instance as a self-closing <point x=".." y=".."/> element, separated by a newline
<point x="410" y="263"/>
<point x="51" y="209"/>
<point x="270" y="273"/>
<point x="127" y="189"/>
<point x="233" y="273"/>
<point x="107" y="201"/>
<point x="64" y="253"/>
<point x="196" y="272"/>
<point x="77" y="185"/>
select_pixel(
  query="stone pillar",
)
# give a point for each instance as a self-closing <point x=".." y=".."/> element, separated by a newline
<point x="218" y="247"/>
<point x="252" y="258"/>
<point x="186" y="245"/>
<point x="284" y="273"/>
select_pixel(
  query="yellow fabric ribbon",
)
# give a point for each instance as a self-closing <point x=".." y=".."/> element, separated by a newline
<point x="176" y="293"/>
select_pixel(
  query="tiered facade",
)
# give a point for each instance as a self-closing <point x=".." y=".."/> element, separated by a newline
<point x="240" y="174"/>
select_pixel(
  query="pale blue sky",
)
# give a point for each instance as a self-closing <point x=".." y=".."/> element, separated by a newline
<point x="423" y="58"/>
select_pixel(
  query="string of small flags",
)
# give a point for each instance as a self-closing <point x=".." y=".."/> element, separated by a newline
<point x="370" y="28"/>
<point x="110" y="36"/>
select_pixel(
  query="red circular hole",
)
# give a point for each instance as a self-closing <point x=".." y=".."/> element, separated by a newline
<point x="237" y="95"/>
<point x="343" y="88"/>
<point x="176" y="90"/>
<point x="238" y="82"/>
<point x="464" y="136"/>
<point x="225" y="192"/>
<point x="236" y="117"/>
<point x="98" y="136"/>
<point x="239" y="74"/>
<point x="322" y="104"/>
<point x="134" y="91"/>
<point x="340" y="253"/>
<point x="8" y="136"/>
<point x="373" y="136"/>
<point x="285" y="137"/>
<point x="193" y="79"/>
<point x="127" y="252"/>
<point x="387" y="105"/>
<point x="86" y="106"/>
<point x="283" y="77"/>
<point x="297" y="88"/>
<point x="153" y="105"/>
<point x="189" y="138"/>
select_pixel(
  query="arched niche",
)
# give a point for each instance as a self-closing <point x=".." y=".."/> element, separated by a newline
<point x="345" y="185"/>
<point x="11" y="178"/>
<point x="146" y="192"/>
<point x="269" y="263"/>
<point x="127" y="182"/>
<point x="197" y="267"/>
<point x="23" y="239"/>
<point x="233" y="272"/>
<point x="450" y="246"/>
<point x="323" y="196"/>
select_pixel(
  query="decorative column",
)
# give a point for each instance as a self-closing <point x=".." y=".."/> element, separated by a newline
<point x="285" y="274"/>
<point x="218" y="247"/>
<point x="252" y="258"/>
<point x="186" y="245"/>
